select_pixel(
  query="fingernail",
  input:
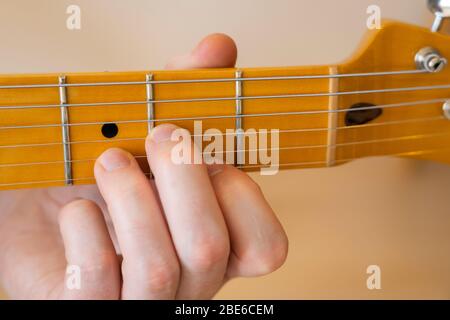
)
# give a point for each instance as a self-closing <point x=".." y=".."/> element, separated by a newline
<point x="162" y="133"/>
<point x="114" y="159"/>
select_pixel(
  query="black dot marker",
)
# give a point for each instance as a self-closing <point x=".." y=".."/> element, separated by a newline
<point x="110" y="130"/>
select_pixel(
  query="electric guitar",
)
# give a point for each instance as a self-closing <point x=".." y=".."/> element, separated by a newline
<point x="391" y="98"/>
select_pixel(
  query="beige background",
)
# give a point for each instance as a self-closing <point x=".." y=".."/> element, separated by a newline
<point x="390" y="212"/>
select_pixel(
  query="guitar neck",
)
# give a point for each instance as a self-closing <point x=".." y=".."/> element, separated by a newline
<point x="53" y="127"/>
<point x="44" y="126"/>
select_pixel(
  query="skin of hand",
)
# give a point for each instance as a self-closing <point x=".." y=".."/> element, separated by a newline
<point x="181" y="236"/>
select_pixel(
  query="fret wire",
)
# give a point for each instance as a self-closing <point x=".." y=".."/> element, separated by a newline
<point x="386" y="106"/>
<point x="416" y="136"/>
<point x="333" y="105"/>
<point x="65" y="131"/>
<point x="300" y="130"/>
<point x="218" y="99"/>
<point x="238" y="121"/>
<point x="150" y="104"/>
<point x="281" y="165"/>
<point x="180" y="81"/>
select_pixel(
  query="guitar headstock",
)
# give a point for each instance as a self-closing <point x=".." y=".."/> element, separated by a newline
<point x="397" y="45"/>
<point x="413" y="95"/>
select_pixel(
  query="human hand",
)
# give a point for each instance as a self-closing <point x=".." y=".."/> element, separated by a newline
<point x="180" y="236"/>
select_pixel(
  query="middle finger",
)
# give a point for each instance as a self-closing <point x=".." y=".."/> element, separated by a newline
<point x="193" y="214"/>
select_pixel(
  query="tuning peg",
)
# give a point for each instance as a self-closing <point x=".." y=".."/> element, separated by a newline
<point x="441" y="10"/>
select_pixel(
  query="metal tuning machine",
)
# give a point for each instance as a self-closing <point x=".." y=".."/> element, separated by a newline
<point x="441" y="10"/>
<point x="430" y="59"/>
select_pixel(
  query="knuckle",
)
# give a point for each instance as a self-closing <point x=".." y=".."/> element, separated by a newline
<point x="164" y="159"/>
<point x="157" y="277"/>
<point x="98" y="277"/>
<point x="163" y="278"/>
<point x="77" y="207"/>
<point x="103" y="265"/>
<point x="160" y="160"/>
<point x="135" y="189"/>
<point x="130" y="190"/>
<point x="209" y="254"/>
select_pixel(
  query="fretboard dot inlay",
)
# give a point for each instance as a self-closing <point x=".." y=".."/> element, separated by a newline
<point x="110" y="130"/>
<point x="362" y="113"/>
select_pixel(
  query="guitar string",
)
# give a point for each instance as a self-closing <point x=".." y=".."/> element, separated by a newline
<point x="416" y="136"/>
<point x="234" y="98"/>
<point x="293" y="164"/>
<point x="287" y="131"/>
<point x="272" y="114"/>
<point x="307" y="130"/>
<point x="214" y="80"/>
